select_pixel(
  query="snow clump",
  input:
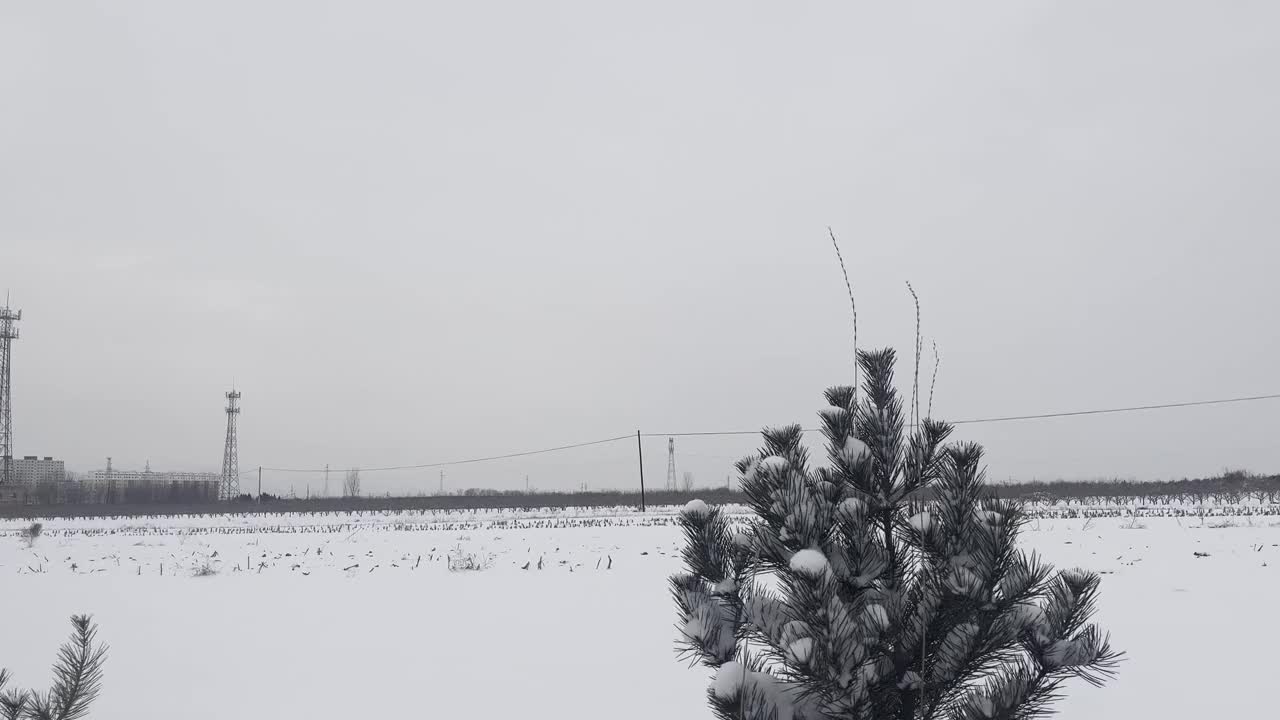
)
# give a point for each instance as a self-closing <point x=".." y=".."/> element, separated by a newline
<point x="809" y="562"/>
<point x="877" y="616"/>
<point x="734" y="680"/>
<point x="728" y="680"/>
<point x="695" y="508"/>
<point x="921" y="521"/>
<point x="1068" y="653"/>
<point x="854" y="451"/>
<point x="775" y="462"/>
<point x="800" y="650"/>
<point x="853" y="508"/>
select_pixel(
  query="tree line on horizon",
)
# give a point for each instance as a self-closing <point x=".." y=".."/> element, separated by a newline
<point x="1231" y="487"/>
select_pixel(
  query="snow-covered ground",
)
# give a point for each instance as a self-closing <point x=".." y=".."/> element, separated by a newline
<point x="336" y="616"/>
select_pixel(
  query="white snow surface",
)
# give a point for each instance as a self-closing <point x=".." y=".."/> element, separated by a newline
<point x="337" y="617"/>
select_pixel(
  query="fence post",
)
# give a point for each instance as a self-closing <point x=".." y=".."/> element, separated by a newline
<point x="640" y="455"/>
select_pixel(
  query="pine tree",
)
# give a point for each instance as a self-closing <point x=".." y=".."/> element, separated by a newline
<point x="885" y="585"/>
<point x="77" y="680"/>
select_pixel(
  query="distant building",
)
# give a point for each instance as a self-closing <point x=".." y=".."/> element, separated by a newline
<point x="127" y="477"/>
<point x="31" y="470"/>
<point x="147" y="486"/>
<point x="45" y="481"/>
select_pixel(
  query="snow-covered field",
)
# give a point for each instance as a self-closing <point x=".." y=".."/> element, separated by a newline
<point x="337" y="616"/>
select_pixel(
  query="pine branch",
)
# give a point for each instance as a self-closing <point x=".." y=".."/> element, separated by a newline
<point x="746" y="690"/>
<point x="880" y="423"/>
<point x="707" y="625"/>
<point x="937" y="362"/>
<point x="707" y="550"/>
<point x="922" y="464"/>
<point x="77" y="681"/>
<point x="13" y="701"/>
<point x="78" y="673"/>
<point x="1019" y="692"/>
<point x="852" y="306"/>
<point x="915" y="383"/>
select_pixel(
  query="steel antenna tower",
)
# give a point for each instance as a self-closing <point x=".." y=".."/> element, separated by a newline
<point x="671" y="464"/>
<point x="8" y="333"/>
<point x="229" y="487"/>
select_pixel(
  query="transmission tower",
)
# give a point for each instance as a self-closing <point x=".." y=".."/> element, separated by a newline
<point x="671" y="464"/>
<point x="229" y="487"/>
<point x="8" y="333"/>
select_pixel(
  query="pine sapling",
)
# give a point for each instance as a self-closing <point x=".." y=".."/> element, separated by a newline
<point x="77" y="680"/>
<point x="886" y="584"/>
<point x="32" y="533"/>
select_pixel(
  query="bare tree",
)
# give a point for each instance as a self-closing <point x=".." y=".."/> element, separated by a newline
<point x="686" y="482"/>
<point x="351" y="486"/>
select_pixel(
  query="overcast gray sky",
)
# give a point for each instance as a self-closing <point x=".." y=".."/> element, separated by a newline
<point x="415" y="232"/>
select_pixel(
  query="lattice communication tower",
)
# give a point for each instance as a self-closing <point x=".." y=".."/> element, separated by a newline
<point x="8" y="333"/>
<point x="229" y="487"/>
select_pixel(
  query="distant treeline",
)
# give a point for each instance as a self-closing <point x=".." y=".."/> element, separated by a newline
<point x="1232" y="487"/>
<point x="110" y="492"/>
<point x="102" y="500"/>
<point x="478" y="500"/>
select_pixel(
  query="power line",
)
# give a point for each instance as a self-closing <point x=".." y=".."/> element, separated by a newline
<point x="696" y="434"/>
<point x="1010" y="418"/>
<point x="469" y="460"/>
<point x="1135" y="408"/>
<point x="972" y="421"/>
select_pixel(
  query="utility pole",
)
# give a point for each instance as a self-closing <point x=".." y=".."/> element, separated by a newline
<point x="442" y="482"/>
<point x="640" y="455"/>
<point x="259" y="483"/>
<point x="326" y="479"/>
<point x="671" y="464"/>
